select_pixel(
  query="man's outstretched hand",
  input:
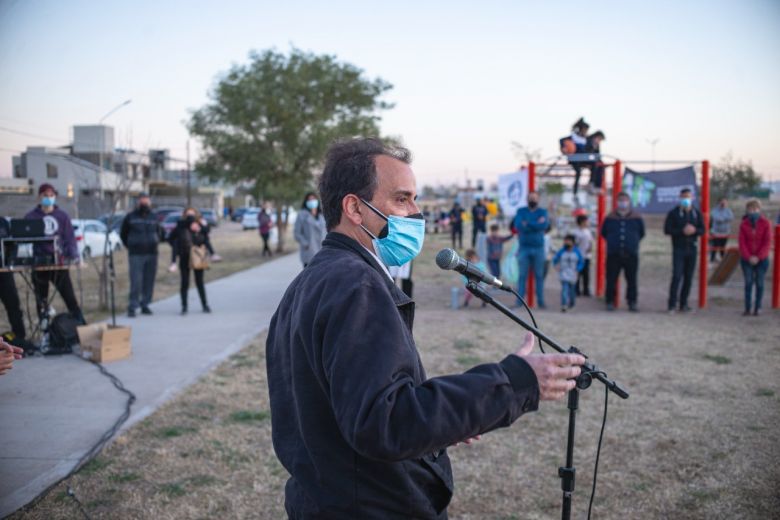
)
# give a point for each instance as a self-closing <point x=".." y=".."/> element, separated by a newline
<point x="8" y="353"/>
<point x="555" y="372"/>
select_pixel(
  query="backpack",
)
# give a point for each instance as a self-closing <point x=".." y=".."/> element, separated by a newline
<point x="62" y="334"/>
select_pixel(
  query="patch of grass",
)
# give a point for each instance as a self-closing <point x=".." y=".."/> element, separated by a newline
<point x="765" y="392"/>
<point x="61" y="496"/>
<point x="173" y="431"/>
<point x="173" y="489"/>
<point x="201" y="480"/>
<point x="94" y="465"/>
<point x="468" y="361"/>
<point x="94" y="504"/>
<point x="462" y="344"/>
<point x="124" y="477"/>
<point x="717" y="359"/>
<point x="243" y="416"/>
<point x="704" y="495"/>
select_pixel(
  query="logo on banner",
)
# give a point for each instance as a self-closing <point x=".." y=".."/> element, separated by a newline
<point x="515" y="193"/>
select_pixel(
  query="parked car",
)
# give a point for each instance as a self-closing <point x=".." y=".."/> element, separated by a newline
<point x="238" y="213"/>
<point x="211" y="217"/>
<point x="163" y="212"/>
<point x="169" y="224"/>
<point x="250" y="220"/>
<point x="113" y="221"/>
<point x="91" y="238"/>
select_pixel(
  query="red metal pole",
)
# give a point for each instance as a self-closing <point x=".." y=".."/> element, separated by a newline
<point x="530" y="296"/>
<point x="704" y="239"/>
<point x="617" y="187"/>
<point x="776" y="271"/>
<point x="601" y="244"/>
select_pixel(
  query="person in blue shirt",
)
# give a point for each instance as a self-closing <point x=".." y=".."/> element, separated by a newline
<point x="530" y="223"/>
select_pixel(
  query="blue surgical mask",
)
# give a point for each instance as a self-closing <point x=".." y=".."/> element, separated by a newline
<point x="685" y="203"/>
<point x="312" y="204"/>
<point x="754" y="216"/>
<point x="401" y="240"/>
<point x="48" y="201"/>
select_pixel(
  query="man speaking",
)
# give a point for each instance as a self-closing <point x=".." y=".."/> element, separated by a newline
<point x="357" y="424"/>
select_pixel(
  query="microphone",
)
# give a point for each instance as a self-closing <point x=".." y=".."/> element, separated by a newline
<point x="448" y="259"/>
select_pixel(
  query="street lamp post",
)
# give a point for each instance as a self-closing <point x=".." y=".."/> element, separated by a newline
<point x="652" y="143"/>
<point x="103" y="143"/>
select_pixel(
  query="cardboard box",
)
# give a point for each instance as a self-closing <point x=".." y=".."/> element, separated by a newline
<point x="102" y="343"/>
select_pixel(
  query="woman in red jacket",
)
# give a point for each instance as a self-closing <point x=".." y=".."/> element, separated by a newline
<point x="754" y="240"/>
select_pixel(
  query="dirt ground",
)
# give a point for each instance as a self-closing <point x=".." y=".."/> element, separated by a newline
<point x="239" y="249"/>
<point x="698" y="438"/>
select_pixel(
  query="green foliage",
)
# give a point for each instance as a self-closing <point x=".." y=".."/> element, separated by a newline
<point x="554" y="188"/>
<point x="733" y="177"/>
<point x="269" y="122"/>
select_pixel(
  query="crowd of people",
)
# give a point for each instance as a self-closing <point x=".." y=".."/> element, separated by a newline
<point x="622" y="230"/>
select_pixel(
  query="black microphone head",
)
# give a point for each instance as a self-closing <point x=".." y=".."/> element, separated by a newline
<point x="447" y="259"/>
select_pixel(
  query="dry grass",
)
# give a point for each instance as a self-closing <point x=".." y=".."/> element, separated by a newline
<point x="239" y="249"/>
<point x="698" y="438"/>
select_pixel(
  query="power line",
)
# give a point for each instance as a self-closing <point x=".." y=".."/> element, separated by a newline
<point x="27" y="134"/>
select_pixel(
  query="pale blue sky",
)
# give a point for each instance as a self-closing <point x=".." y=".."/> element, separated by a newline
<point x="704" y="76"/>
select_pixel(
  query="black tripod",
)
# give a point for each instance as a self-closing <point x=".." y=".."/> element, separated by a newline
<point x="588" y="374"/>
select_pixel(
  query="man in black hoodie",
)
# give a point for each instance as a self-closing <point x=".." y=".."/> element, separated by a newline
<point x="685" y="225"/>
<point x="356" y="422"/>
<point x="141" y="233"/>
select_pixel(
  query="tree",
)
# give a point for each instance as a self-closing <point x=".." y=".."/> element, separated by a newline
<point x="270" y="121"/>
<point x="733" y="177"/>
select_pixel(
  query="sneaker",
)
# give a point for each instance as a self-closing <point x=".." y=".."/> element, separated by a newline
<point x="632" y="307"/>
<point x="206" y="309"/>
<point x="746" y="313"/>
<point x="563" y="309"/>
<point x="686" y="309"/>
<point x="670" y="310"/>
<point x="146" y="310"/>
<point x="757" y="312"/>
<point x="610" y="307"/>
<point x="183" y="311"/>
<point x="131" y="313"/>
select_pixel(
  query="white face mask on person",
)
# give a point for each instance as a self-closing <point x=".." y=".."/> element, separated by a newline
<point x="401" y="240"/>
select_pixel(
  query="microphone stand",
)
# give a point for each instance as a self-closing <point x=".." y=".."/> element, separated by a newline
<point x="589" y="372"/>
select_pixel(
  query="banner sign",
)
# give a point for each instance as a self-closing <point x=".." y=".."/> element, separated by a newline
<point x="658" y="192"/>
<point x="513" y="192"/>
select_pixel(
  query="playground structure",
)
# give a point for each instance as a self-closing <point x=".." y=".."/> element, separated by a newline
<point x="560" y="168"/>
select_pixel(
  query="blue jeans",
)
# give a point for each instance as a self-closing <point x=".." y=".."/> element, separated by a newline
<point x="568" y="293"/>
<point x="754" y="274"/>
<point x="143" y="270"/>
<point x="495" y="267"/>
<point x="531" y="258"/>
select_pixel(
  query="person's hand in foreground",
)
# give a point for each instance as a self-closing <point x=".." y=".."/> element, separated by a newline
<point x="8" y="353"/>
<point x="554" y="372"/>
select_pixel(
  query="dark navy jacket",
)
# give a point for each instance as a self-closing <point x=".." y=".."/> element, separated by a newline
<point x="356" y="422"/>
<point x="623" y="233"/>
<point x="141" y="232"/>
<point x="676" y="220"/>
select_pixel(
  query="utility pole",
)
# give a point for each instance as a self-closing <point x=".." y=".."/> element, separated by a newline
<point x="189" y="174"/>
<point x="103" y="144"/>
<point x="652" y="143"/>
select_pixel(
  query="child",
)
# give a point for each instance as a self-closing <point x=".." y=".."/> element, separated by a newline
<point x="495" y="250"/>
<point x="569" y="263"/>
<point x="473" y="258"/>
<point x="583" y="239"/>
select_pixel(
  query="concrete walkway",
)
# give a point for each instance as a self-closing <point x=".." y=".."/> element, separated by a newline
<point x="53" y="409"/>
